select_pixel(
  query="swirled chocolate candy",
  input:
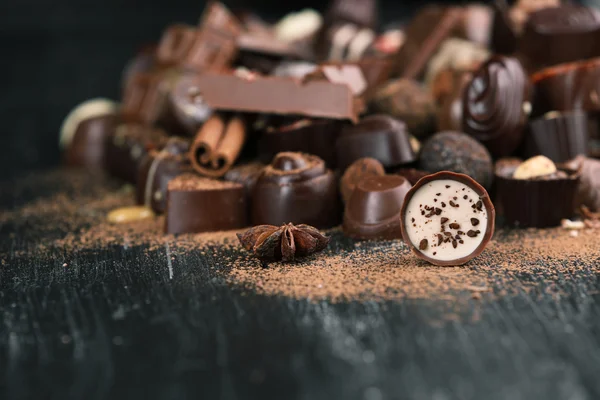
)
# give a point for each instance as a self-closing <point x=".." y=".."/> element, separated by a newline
<point x="159" y="167"/>
<point x="496" y="105"/>
<point x="296" y="188"/>
<point x="457" y="152"/>
<point x="561" y="34"/>
<point x="447" y="219"/>
<point x="377" y="136"/>
<point x="197" y="204"/>
<point x="360" y="170"/>
<point x="373" y="209"/>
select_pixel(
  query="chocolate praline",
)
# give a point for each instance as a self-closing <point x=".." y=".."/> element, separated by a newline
<point x="296" y="188"/>
<point x="447" y="219"/>
<point x="457" y="152"/>
<point x="361" y="169"/>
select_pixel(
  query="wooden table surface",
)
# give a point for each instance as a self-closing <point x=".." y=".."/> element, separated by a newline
<point x="124" y="322"/>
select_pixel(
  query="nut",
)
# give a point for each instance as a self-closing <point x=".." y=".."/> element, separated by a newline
<point x="125" y="215"/>
<point x="535" y="167"/>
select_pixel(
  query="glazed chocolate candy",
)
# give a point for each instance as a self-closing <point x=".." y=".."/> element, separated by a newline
<point x="197" y="204"/>
<point x="360" y="170"/>
<point x="447" y="219"/>
<point x="296" y="188"/>
<point x="496" y="105"/>
<point x="373" y="209"/>
<point x="377" y="136"/>
<point x="457" y="152"/>
<point x="157" y="169"/>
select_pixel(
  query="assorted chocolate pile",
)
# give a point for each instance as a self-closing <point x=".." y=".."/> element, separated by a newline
<point x="394" y="131"/>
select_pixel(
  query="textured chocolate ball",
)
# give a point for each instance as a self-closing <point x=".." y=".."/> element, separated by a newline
<point x="457" y="152"/>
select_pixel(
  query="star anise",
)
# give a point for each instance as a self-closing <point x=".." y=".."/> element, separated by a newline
<point x="273" y="243"/>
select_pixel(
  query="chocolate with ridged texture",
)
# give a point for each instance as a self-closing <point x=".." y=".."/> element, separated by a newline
<point x="424" y="35"/>
<point x="187" y="104"/>
<point x="457" y="152"/>
<point x="558" y="35"/>
<point x="410" y="102"/>
<point x="377" y="136"/>
<point x="277" y="95"/>
<point x="496" y="105"/>
<point x="128" y="146"/>
<point x="538" y="202"/>
<point x="296" y="188"/>
<point x="217" y="145"/>
<point x="411" y="174"/>
<point x="312" y="136"/>
<point x="197" y="204"/>
<point x="588" y="190"/>
<point x="567" y="87"/>
<point x="157" y="168"/>
<point x="373" y="209"/>
<point x="447" y="219"/>
<point x="359" y="170"/>
<point x="560" y="136"/>
<point x="88" y="145"/>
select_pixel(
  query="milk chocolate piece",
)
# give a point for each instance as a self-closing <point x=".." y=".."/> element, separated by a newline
<point x="343" y="74"/>
<point x="360" y="170"/>
<point x="87" y="147"/>
<point x="588" y="190"/>
<point x="187" y="104"/>
<point x="196" y="204"/>
<point x="558" y="35"/>
<point x="217" y="145"/>
<point x="157" y="168"/>
<point x="567" y="87"/>
<point x="457" y="152"/>
<point x="273" y="95"/>
<point x="128" y="146"/>
<point x="410" y="102"/>
<point x="175" y="44"/>
<point x="447" y="219"/>
<point x="496" y="105"/>
<point x="312" y="136"/>
<point x="559" y="136"/>
<point x="373" y="209"/>
<point x="296" y="188"/>
<point x="537" y="202"/>
<point x="378" y="136"/>
<point x="426" y="32"/>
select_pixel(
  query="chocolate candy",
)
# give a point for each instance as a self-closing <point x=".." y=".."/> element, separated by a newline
<point x="245" y="174"/>
<point x="312" y="136"/>
<point x="359" y="170"/>
<point x="296" y="188"/>
<point x="410" y="102"/>
<point x="447" y="219"/>
<point x="559" y="136"/>
<point x="217" y="145"/>
<point x="373" y="209"/>
<point x="175" y="44"/>
<point x="378" y="136"/>
<point x="496" y="105"/>
<point x="558" y="35"/>
<point x="157" y="169"/>
<point x="283" y="96"/>
<point x="567" y="87"/>
<point x="411" y="174"/>
<point x="187" y="104"/>
<point x="541" y="201"/>
<point x="128" y="146"/>
<point x="588" y="190"/>
<point x="85" y="132"/>
<point x="424" y="35"/>
<point x="196" y="204"/>
<point x="457" y="152"/>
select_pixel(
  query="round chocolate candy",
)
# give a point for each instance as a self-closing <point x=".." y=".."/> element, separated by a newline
<point x="296" y="188"/>
<point x="457" y="152"/>
<point x="377" y="136"/>
<point x="88" y="109"/>
<point x="361" y="169"/>
<point x="373" y="209"/>
<point x="447" y="219"/>
<point x="496" y="105"/>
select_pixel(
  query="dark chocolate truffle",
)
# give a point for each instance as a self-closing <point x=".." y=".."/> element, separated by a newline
<point x="496" y="105"/>
<point x="457" y="152"/>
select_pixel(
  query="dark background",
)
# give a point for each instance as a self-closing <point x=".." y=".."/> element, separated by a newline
<point x="55" y="54"/>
